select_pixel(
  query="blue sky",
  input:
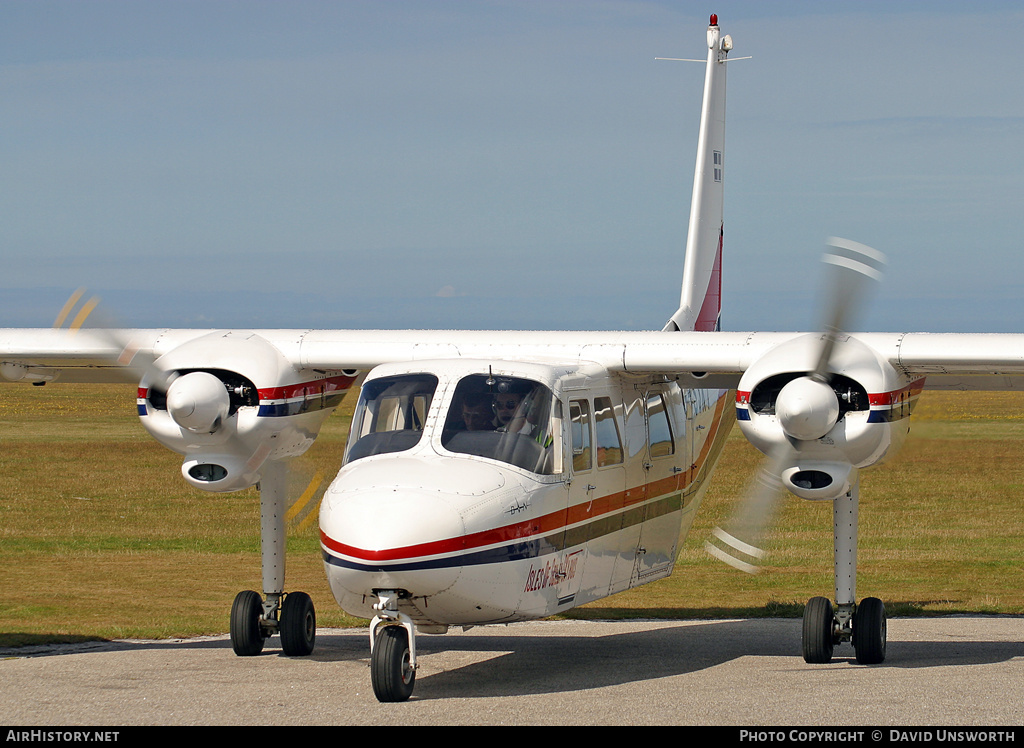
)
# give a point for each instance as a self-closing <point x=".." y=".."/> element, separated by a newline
<point x="503" y="164"/>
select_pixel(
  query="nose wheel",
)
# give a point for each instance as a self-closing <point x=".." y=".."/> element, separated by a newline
<point x="391" y="668"/>
<point x="392" y="649"/>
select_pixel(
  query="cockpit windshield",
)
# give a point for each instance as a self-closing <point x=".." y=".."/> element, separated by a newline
<point x="503" y="418"/>
<point x="390" y="414"/>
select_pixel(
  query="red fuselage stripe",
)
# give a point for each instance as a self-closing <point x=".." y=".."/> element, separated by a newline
<point x="896" y="396"/>
<point x="314" y="387"/>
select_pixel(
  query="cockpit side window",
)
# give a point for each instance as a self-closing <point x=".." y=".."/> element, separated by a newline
<point x="503" y="418"/>
<point x="390" y="415"/>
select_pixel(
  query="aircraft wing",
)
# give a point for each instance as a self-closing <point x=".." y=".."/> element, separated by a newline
<point x="949" y="360"/>
<point x="715" y="359"/>
<point x="957" y="361"/>
<point x="86" y="355"/>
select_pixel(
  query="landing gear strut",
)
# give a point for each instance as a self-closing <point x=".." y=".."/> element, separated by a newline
<point x="863" y="625"/>
<point x="254" y="617"/>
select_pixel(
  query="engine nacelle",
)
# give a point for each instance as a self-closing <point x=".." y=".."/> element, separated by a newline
<point x="829" y="427"/>
<point x="229" y="402"/>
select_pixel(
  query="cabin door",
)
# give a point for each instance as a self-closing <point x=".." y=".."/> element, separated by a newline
<point x="663" y="468"/>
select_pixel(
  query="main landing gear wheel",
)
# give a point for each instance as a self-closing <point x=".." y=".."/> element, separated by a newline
<point x="869" y="631"/>
<point x="819" y="635"/>
<point x="391" y="668"/>
<point x="247" y="635"/>
<point x="298" y="625"/>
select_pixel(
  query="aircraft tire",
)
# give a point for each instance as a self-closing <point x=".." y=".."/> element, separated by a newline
<point x="246" y="634"/>
<point x="869" y="631"/>
<point x="298" y="625"/>
<point x="390" y="670"/>
<point x="818" y="630"/>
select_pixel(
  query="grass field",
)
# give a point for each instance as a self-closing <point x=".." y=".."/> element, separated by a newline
<point x="100" y="537"/>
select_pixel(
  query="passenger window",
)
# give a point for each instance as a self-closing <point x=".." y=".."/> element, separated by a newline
<point x="659" y="429"/>
<point x="609" y="444"/>
<point x="579" y="415"/>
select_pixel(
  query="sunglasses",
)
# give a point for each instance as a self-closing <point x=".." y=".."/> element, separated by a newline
<point x="506" y="404"/>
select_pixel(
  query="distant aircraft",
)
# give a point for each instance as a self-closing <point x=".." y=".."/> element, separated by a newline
<point x="498" y="476"/>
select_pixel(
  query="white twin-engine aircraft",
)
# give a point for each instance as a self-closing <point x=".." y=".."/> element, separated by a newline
<point x="498" y="476"/>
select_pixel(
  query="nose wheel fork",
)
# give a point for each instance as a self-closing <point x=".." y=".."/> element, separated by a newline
<point x="392" y="650"/>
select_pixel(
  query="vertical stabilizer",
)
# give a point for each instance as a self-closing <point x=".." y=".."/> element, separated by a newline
<point x="700" y="304"/>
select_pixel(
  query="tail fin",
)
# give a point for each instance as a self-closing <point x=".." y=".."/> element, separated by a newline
<point x="700" y="304"/>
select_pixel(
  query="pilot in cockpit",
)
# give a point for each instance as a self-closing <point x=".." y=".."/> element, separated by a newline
<point x="477" y="412"/>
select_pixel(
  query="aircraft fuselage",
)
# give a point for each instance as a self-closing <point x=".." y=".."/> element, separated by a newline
<point x="588" y="493"/>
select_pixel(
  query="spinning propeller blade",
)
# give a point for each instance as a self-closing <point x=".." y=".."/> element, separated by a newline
<point x="850" y="266"/>
<point x="740" y="544"/>
<point x="81" y="315"/>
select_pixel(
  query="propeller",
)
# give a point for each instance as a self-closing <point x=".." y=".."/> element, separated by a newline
<point x="850" y="269"/>
<point x="807" y="409"/>
<point x="197" y="401"/>
<point x="85" y="316"/>
<point x="746" y="529"/>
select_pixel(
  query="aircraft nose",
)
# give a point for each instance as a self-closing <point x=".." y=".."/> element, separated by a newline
<point x="398" y="522"/>
<point x="391" y="525"/>
<point x="400" y="539"/>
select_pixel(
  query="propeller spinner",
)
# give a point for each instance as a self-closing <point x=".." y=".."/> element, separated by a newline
<point x="198" y="401"/>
